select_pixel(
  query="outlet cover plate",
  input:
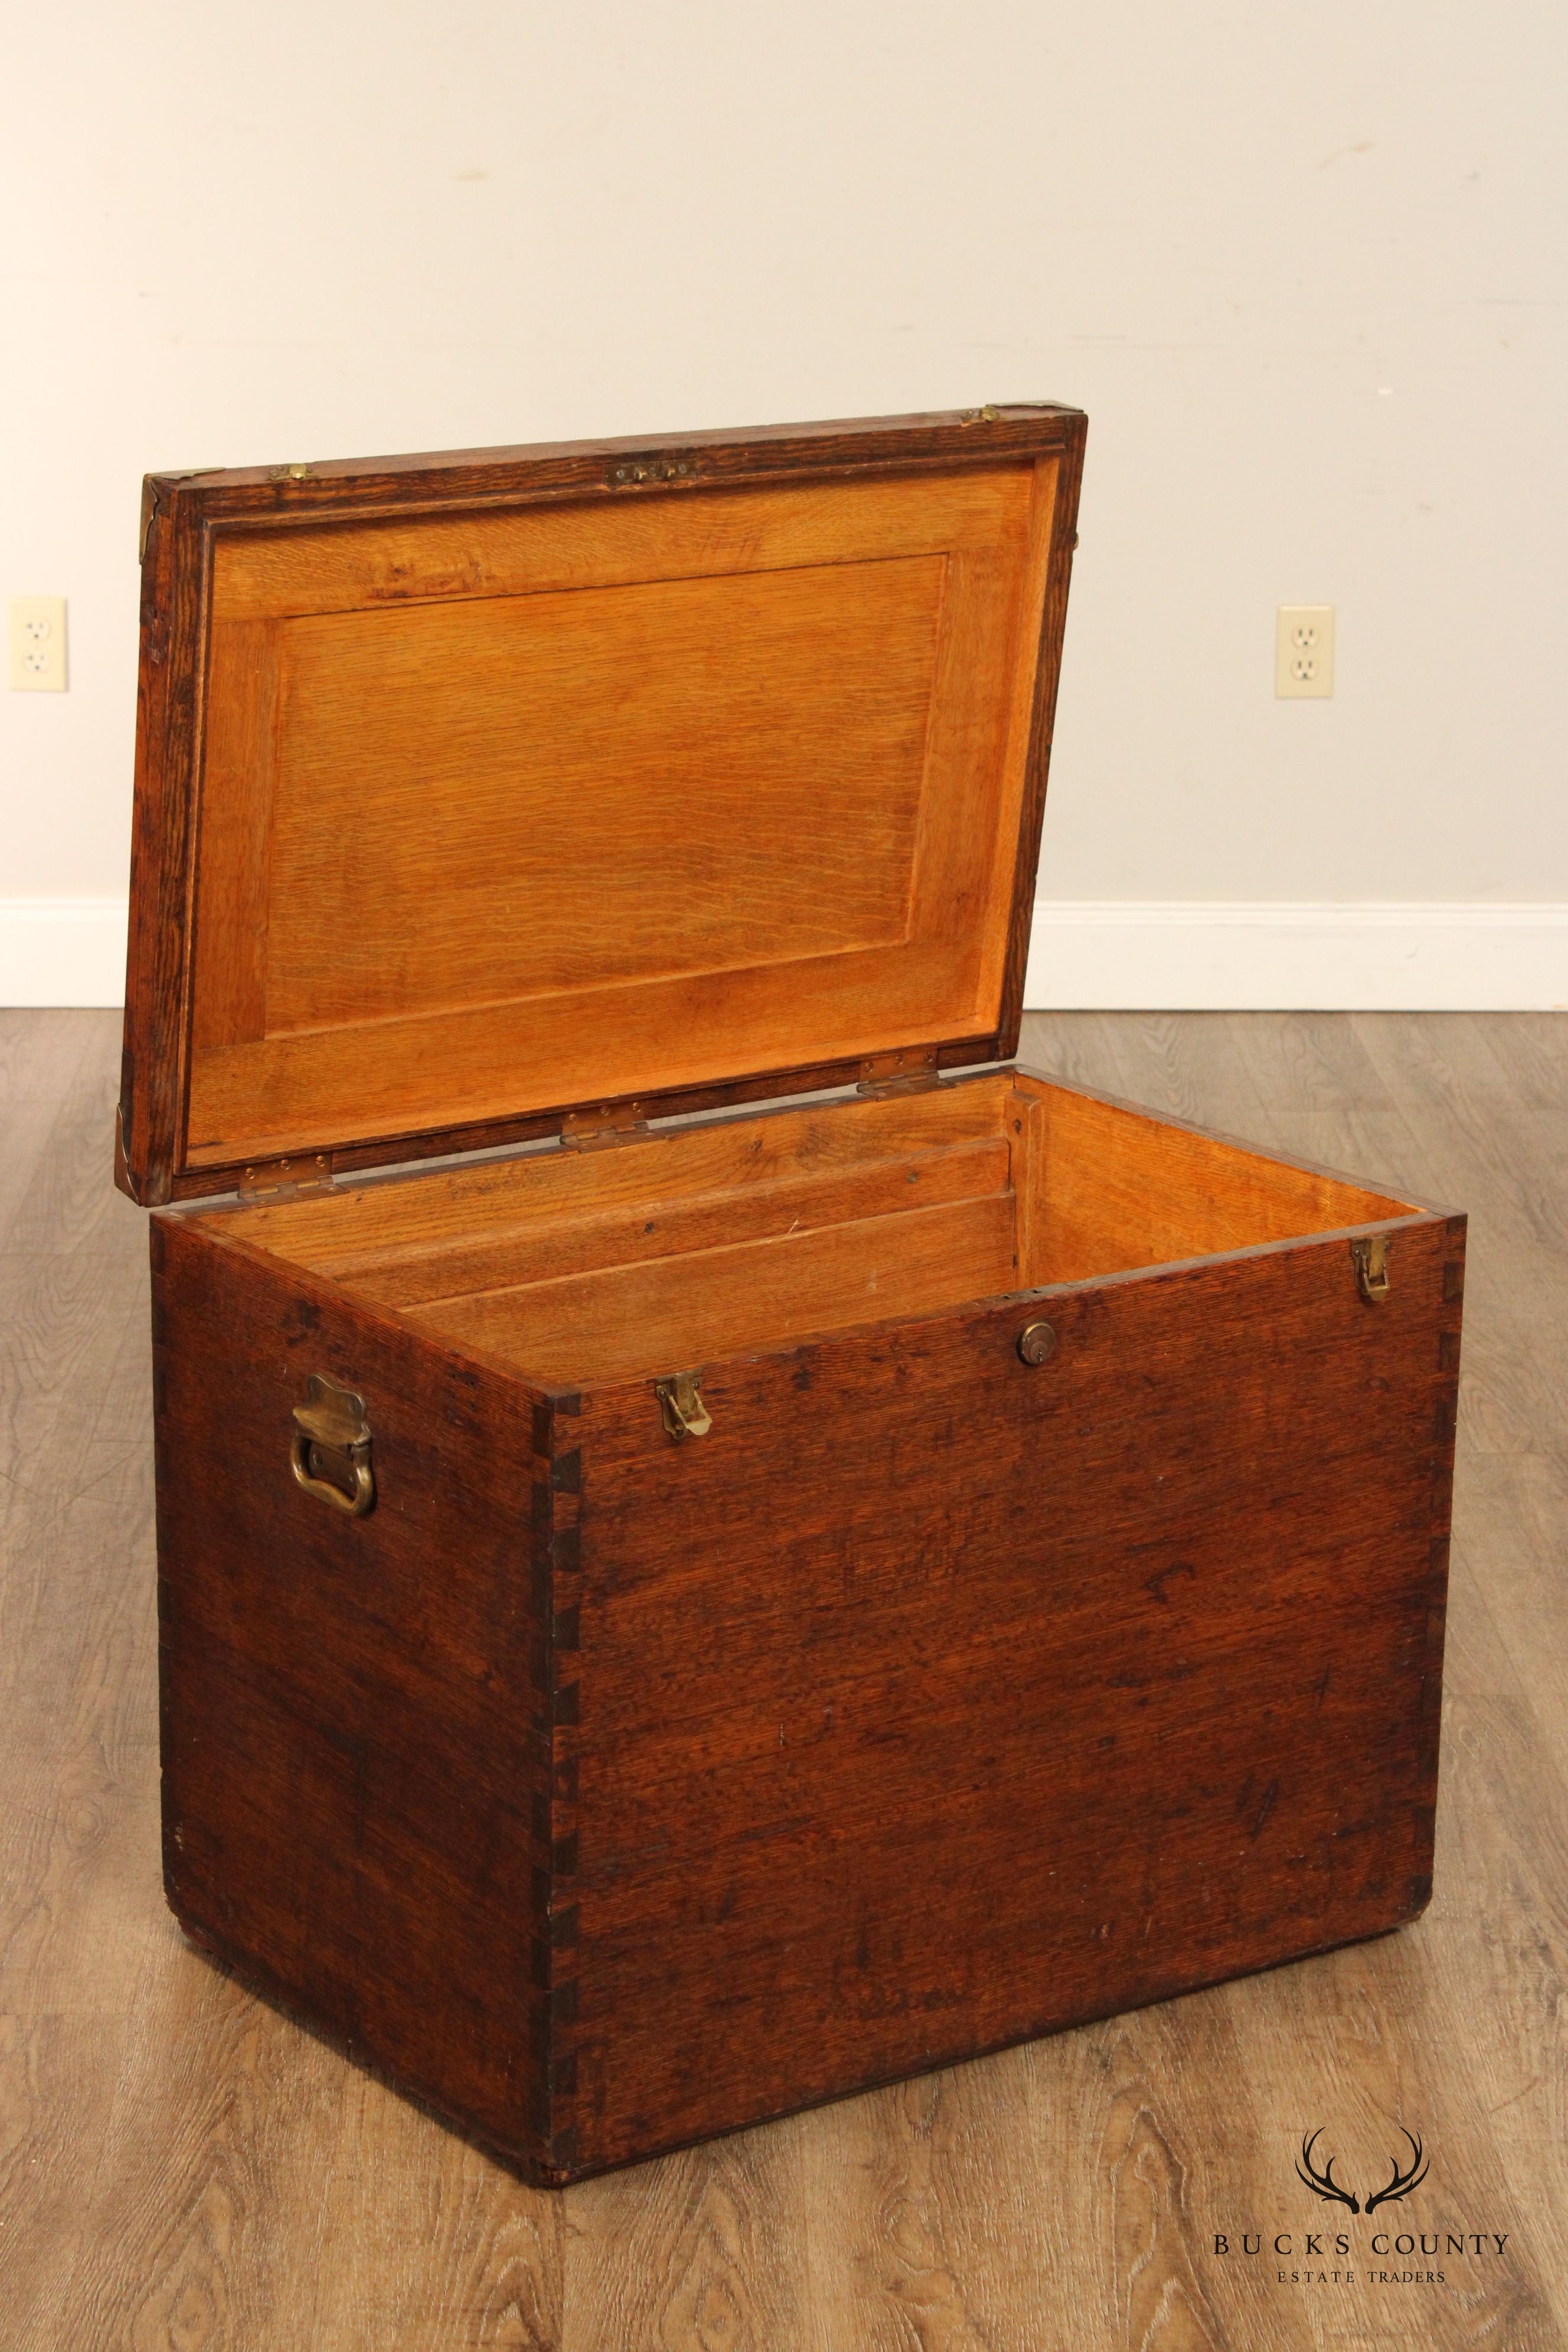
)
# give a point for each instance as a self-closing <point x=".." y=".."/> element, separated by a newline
<point x="1304" y="650"/>
<point x="36" y="639"/>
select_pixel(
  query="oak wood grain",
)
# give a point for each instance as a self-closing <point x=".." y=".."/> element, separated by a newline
<point x="388" y="1220"/>
<point x="1108" y="1186"/>
<point x="690" y="1243"/>
<point x="672" y="1312"/>
<point x="655" y="1228"/>
<point x="231" y="919"/>
<point x="601" y="787"/>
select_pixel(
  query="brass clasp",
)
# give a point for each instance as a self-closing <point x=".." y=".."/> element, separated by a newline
<point x="1370" y="1258"/>
<point x="680" y="1401"/>
<point x="329" y="1450"/>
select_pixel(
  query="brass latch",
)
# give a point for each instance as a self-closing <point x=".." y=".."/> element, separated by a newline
<point x="329" y="1450"/>
<point x="1370" y="1257"/>
<point x="681" y="1401"/>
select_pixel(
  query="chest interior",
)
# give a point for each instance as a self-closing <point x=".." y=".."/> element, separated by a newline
<point x="485" y="797"/>
<point x="713" y="1239"/>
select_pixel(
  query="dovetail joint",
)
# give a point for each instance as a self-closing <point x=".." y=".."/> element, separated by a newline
<point x="557" y="1595"/>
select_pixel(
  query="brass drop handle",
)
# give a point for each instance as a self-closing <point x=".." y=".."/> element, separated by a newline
<point x="329" y="1450"/>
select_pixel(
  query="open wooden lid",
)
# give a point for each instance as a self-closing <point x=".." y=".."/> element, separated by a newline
<point x="474" y="792"/>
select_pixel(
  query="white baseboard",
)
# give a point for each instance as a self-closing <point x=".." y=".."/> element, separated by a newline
<point x="1225" y="955"/>
<point x="1111" y="955"/>
<point x="62" y="951"/>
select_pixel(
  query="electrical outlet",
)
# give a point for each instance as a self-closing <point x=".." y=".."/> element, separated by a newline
<point x="1304" y="649"/>
<point x="36" y="632"/>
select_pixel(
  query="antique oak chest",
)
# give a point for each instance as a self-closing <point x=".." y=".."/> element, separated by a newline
<point x="791" y="1551"/>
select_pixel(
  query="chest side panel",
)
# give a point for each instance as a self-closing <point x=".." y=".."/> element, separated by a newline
<point x="355" y="1710"/>
<point x="933" y="1700"/>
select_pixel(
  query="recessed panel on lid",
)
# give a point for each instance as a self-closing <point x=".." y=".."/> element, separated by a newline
<point x="593" y="786"/>
<point x="509" y="810"/>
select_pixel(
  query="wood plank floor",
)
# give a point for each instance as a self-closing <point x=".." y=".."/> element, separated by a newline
<point x="182" y="2167"/>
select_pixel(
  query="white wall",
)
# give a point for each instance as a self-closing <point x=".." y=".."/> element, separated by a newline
<point x="1303" y="266"/>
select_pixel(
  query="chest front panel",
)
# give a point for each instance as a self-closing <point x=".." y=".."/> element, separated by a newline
<point x="935" y="1700"/>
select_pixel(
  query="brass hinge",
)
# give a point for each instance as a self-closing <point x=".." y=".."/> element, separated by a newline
<point x="906" y="1073"/>
<point x="594" y="1131"/>
<point x="287" y="1180"/>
